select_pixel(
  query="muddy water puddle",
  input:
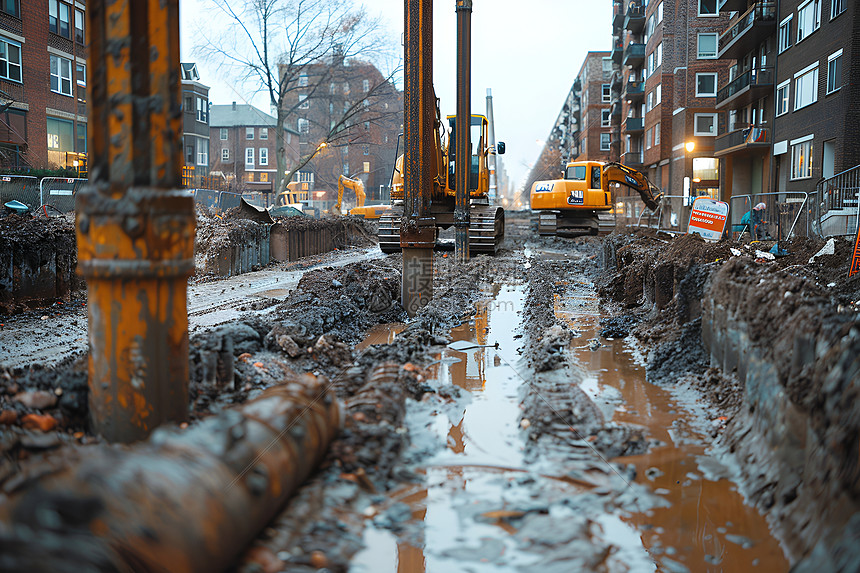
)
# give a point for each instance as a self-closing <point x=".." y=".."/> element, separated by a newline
<point x="706" y="525"/>
<point x="478" y="506"/>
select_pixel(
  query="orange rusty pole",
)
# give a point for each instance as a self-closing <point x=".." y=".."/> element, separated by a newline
<point x="135" y="229"/>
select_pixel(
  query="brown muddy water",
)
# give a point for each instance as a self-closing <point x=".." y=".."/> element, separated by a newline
<point x="475" y="486"/>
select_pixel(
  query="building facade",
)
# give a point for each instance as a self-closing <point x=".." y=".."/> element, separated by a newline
<point x="595" y="137"/>
<point x="195" y="126"/>
<point x="358" y="113"/>
<point x="43" y="78"/>
<point x="243" y="143"/>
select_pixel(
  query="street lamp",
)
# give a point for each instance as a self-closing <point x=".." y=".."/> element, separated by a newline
<point x="690" y="146"/>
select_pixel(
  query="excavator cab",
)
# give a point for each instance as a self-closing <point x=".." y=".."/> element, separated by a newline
<point x="479" y="173"/>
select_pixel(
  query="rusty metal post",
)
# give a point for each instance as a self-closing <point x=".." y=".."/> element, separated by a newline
<point x="418" y="228"/>
<point x="183" y="501"/>
<point x="464" y="126"/>
<point x="135" y="229"/>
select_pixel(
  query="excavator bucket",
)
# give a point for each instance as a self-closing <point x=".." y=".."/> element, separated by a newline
<point x="248" y="211"/>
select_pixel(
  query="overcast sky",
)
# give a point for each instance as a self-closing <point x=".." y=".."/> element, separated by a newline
<point x="527" y="52"/>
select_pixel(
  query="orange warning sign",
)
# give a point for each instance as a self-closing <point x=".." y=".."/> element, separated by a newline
<point x="708" y="218"/>
<point x="855" y="262"/>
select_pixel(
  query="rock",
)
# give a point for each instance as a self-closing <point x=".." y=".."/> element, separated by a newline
<point x="34" y="441"/>
<point x="8" y="417"/>
<point x="288" y="345"/>
<point x="319" y="559"/>
<point x="38" y="422"/>
<point x="336" y="283"/>
<point x="38" y="399"/>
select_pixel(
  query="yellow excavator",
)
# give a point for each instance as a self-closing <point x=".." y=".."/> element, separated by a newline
<point x="581" y="202"/>
<point x="357" y="186"/>
<point x="486" y="222"/>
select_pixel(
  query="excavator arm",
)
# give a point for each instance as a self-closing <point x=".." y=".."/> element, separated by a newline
<point x="629" y="177"/>
<point x="356" y="185"/>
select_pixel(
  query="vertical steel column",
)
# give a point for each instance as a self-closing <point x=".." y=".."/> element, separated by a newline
<point x="418" y="229"/>
<point x="464" y="123"/>
<point x="493" y="195"/>
<point x="135" y="229"/>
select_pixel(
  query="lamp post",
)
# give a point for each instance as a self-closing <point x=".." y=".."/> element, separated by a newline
<point x="689" y="147"/>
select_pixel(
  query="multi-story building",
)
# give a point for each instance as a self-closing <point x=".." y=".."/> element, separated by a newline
<point x="746" y="95"/>
<point x="595" y="99"/>
<point x="357" y="112"/>
<point x="666" y="56"/>
<point x="43" y="60"/>
<point x="195" y="126"/>
<point x="817" y="92"/>
<point x="243" y="143"/>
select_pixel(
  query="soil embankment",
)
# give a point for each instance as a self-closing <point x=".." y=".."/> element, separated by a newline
<point x="774" y="346"/>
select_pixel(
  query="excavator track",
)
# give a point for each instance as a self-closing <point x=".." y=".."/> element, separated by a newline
<point x="553" y="223"/>
<point x="486" y="230"/>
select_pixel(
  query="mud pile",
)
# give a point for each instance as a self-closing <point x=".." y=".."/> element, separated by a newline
<point x="774" y="345"/>
<point x="38" y="258"/>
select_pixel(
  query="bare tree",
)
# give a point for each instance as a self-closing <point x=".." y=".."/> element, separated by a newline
<point x="287" y="47"/>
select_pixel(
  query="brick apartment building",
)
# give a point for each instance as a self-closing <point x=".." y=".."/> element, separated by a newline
<point x="195" y="125"/>
<point x="595" y="130"/>
<point x="243" y="143"/>
<point x="43" y="59"/>
<point x="356" y="95"/>
<point x="667" y="74"/>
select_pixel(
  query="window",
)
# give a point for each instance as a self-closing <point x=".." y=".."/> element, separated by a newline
<point x="10" y="7"/>
<point x="202" y="152"/>
<point x="202" y="110"/>
<point x="837" y="7"/>
<point x="79" y="26"/>
<point x="304" y="125"/>
<point x="782" y="98"/>
<point x="651" y="65"/>
<point x="605" y="118"/>
<point x="706" y="85"/>
<point x="332" y="88"/>
<point x="249" y="157"/>
<point x="59" y="18"/>
<point x="303" y="81"/>
<point x="801" y="160"/>
<point x="346" y="87"/>
<point x="658" y="94"/>
<point x="705" y="124"/>
<point x="81" y="132"/>
<point x="303" y="101"/>
<point x="785" y="34"/>
<point x="189" y="154"/>
<point x="808" y="18"/>
<point x="366" y="166"/>
<point x="249" y="133"/>
<point x="264" y="156"/>
<point x="224" y="134"/>
<point x="648" y="139"/>
<point x="365" y="85"/>
<point x="366" y="150"/>
<point x="649" y="27"/>
<point x="805" y="87"/>
<point x="657" y="134"/>
<point x="834" y="71"/>
<point x="708" y="8"/>
<point x="606" y="93"/>
<point x="659" y="12"/>
<point x="81" y="80"/>
<point x="659" y="51"/>
<point x="706" y="168"/>
<point x="61" y="75"/>
<point x="61" y="134"/>
<point x="264" y="133"/>
<point x="649" y="102"/>
<point x="707" y="46"/>
<point x="10" y="60"/>
<point x="225" y="154"/>
<point x="604" y="142"/>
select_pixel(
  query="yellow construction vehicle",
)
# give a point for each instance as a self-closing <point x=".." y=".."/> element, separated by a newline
<point x="357" y="185"/>
<point x="294" y="196"/>
<point x="581" y="202"/>
<point x="486" y="222"/>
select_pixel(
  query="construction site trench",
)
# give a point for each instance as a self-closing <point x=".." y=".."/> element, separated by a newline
<point x="634" y="402"/>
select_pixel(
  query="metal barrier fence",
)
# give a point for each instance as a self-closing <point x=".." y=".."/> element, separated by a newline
<point x="21" y="188"/>
<point x="672" y="216"/>
<point x="217" y="200"/>
<point x="835" y="208"/>
<point x="59" y="192"/>
<point x="785" y="214"/>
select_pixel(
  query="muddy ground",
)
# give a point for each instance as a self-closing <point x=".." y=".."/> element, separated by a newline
<point x="569" y="474"/>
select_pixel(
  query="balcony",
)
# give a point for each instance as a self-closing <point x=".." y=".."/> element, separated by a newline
<point x="742" y="139"/>
<point x="634" y="91"/>
<point x="617" y="49"/>
<point x="634" y="20"/>
<point x="634" y="125"/>
<point x="748" y="31"/>
<point x="733" y="6"/>
<point x="615" y="109"/>
<point x="747" y="88"/>
<point x="617" y="15"/>
<point x="634" y="54"/>
<point x="615" y="82"/>
<point x="632" y="158"/>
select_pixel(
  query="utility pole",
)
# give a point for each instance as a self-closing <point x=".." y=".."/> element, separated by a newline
<point x="463" y="153"/>
<point x="493" y="195"/>
<point x="417" y="227"/>
<point x="135" y="229"/>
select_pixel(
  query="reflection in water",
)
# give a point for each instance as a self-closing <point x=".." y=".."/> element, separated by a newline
<point x="381" y="334"/>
